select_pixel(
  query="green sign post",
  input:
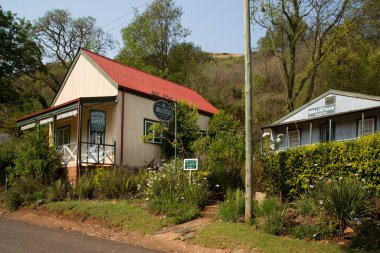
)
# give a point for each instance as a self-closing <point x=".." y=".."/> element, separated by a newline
<point x="97" y="121"/>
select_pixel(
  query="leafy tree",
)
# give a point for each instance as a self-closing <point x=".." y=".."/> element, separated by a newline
<point x="308" y="23"/>
<point x="152" y="40"/>
<point x="19" y="53"/>
<point x="61" y="36"/>
<point x="187" y="131"/>
<point x="222" y="152"/>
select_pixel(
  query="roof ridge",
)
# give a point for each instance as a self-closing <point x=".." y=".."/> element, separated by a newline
<point x="124" y="65"/>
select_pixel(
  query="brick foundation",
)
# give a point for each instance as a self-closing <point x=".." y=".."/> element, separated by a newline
<point x="72" y="174"/>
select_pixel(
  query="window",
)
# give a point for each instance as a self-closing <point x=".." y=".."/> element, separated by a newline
<point x="294" y="138"/>
<point x="369" y="127"/>
<point x="63" y="136"/>
<point x="325" y="133"/>
<point x="147" y="125"/>
<point x="203" y="133"/>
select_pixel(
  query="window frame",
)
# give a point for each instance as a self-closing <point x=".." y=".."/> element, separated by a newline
<point x="154" y="140"/>
<point x="358" y="126"/>
<point x="298" y="131"/>
<point x="57" y="134"/>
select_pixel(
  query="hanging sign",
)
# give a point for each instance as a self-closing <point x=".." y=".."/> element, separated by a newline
<point x="163" y="110"/>
<point x="97" y="121"/>
<point x="67" y="114"/>
<point x="190" y="164"/>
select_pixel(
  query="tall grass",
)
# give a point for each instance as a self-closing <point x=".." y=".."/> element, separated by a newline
<point x="232" y="208"/>
<point x="270" y="216"/>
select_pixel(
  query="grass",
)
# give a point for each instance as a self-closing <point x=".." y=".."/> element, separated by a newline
<point x="223" y="235"/>
<point x="124" y="214"/>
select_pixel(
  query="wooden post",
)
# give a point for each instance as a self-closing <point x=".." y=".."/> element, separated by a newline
<point x="287" y="137"/>
<point x="329" y="129"/>
<point x="311" y="133"/>
<point x="362" y="133"/>
<point x="248" y="113"/>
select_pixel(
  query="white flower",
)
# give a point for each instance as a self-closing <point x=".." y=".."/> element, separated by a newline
<point x="356" y="174"/>
<point x="340" y="178"/>
<point x="311" y="186"/>
<point x="349" y="164"/>
<point x="266" y="134"/>
<point x="307" y="180"/>
<point x="147" y="199"/>
<point x="149" y="168"/>
<point x="217" y="185"/>
<point x="321" y="202"/>
<point x="363" y="180"/>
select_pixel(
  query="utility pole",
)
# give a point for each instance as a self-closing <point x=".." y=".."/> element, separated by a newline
<point x="248" y="113"/>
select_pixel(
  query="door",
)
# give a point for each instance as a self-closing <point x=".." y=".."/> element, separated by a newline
<point x="95" y="147"/>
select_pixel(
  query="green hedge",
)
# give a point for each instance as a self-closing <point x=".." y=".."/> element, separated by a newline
<point x="291" y="172"/>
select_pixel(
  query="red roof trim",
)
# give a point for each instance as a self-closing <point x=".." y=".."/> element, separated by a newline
<point x="132" y="79"/>
<point x="47" y="110"/>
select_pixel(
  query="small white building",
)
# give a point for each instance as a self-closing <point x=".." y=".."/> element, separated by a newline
<point x="103" y="108"/>
<point x="333" y="116"/>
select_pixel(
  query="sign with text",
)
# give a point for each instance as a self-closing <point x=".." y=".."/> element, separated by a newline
<point x="97" y="121"/>
<point x="163" y="110"/>
<point x="190" y="164"/>
<point x="320" y="111"/>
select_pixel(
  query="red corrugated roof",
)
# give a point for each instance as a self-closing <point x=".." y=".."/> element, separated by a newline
<point x="141" y="82"/>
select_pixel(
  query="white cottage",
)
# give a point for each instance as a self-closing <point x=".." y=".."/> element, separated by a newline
<point x="333" y="116"/>
<point x="103" y="108"/>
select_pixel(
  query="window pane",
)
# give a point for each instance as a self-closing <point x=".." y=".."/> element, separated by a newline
<point x="293" y="138"/>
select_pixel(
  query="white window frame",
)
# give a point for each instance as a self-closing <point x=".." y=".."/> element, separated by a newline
<point x="369" y="127"/>
<point x="294" y="138"/>
<point x="156" y="139"/>
<point x="62" y="130"/>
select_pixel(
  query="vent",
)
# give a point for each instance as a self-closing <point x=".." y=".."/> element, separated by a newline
<point x="330" y="100"/>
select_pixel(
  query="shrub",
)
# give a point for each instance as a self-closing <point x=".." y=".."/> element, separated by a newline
<point x="307" y="207"/>
<point x="345" y="199"/>
<point x="56" y="191"/>
<point x="84" y="189"/>
<point x="368" y="235"/>
<point x="115" y="182"/>
<point x="232" y="208"/>
<point x="222" y="153"/>
<point x="13" y="200"/>
<point x="304" y="231"/>
<point x="271" y="216"/>
<point x="290" y="172"/>
<point x="175" y="195"/>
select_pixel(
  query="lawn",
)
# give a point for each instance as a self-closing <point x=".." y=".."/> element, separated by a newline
<point x="124" y="214"/>
<point x="236" y="235"/>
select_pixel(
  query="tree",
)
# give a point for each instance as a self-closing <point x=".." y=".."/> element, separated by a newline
<point x="19" y="53"/>
<point x="61" y="36"/>
<point x="304" y="24"/>
<point x="150" y="38"/>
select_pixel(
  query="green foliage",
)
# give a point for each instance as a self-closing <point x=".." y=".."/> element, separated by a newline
<point x="151" y="36"/>
<point x="175" y="195"/>
<point x="115" y="182"/>
<point x="57" y="191"/>
<point x="304" y="231"/>
<point x="84" y="189"/>
<point x="18" y="52"/>
<point x="345" y="199"/>
<point x="232" y="208"/>
<point x="36" y="159"/>
<point x="270" y="216"/>
<point x="368" y="235"/>
<point x="13" y="200"/>
<point x="307" y="207"/>
<point x="222" y="152"/>
<point x="291" y="172"/>
<point x="187" y="131"/>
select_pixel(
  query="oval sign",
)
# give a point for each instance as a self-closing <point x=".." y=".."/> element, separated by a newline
<point x="163" y="110"/>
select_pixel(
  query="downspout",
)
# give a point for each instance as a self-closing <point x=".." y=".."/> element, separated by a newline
<point x="79" y="133"/>
<point x="122" y="129"/>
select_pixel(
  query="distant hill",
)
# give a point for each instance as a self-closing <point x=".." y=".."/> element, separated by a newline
<point x="224" y="55"/>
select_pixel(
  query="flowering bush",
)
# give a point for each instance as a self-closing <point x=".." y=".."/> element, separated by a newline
<point x="176" y="196"/>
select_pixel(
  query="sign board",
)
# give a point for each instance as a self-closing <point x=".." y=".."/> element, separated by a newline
<point x="31" y="125"/>
<point x="190" y="164"/>
<point x="97" y="121"/>
<point x="48" y="120"/>
<point x="163" y="110"/>
<point x="320" y="111"/>
<point x="67" y="114"/>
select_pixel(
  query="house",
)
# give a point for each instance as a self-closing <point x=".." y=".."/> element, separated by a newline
<point x="333" y="116"/>
<point x="103" y="108"/>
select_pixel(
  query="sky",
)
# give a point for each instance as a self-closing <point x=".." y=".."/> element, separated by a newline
<point x="216" y="25"/>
